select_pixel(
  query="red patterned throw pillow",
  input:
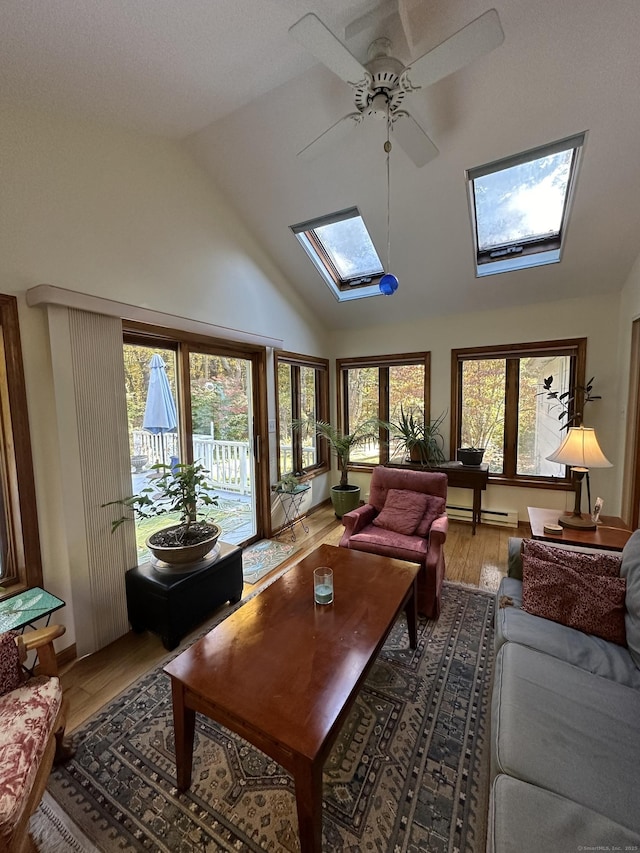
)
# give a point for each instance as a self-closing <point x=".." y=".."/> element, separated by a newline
<point x="435" y="508"/>
<point x="402" y="511"/>
<point x="594" y="564"/>
<point x="587" y="602"/>
<point x="10" y="671"/>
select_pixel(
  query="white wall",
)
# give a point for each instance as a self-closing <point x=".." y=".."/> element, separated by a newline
<point x="595" y="318"/>
<point x="131" y="218"/>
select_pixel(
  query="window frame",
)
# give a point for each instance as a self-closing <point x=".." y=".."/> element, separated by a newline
<point x="383" y="363"/>
<point x="183" y="342"/>
<point x="531" y="252"/>
<point x="355" y="287"/>
<point x="576" y="348"/>
<point x="20" y="534"/>
<point x="321" y="367"/>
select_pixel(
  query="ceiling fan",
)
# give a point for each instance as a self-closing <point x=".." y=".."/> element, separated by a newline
<point x="380" y="86"/>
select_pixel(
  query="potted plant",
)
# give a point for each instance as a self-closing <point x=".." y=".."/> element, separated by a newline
<point x="181" y="488"/>
<point x="570" y="403"/>
<point x="423" y="442"/>
<point x="470" y="455"/>
<point x="287" y="484"/>
<point x="344" y="496"/>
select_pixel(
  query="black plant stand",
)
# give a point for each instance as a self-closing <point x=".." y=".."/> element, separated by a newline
<point x="173" y="603"/>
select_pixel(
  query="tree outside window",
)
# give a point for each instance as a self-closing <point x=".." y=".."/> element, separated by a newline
<point x="378" y="387"/>
<point x="302" y="391"/>
<point x="499" y="403"/>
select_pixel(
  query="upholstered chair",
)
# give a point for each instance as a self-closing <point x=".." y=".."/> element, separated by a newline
<point x="32" y="716"/>
<point x="405" y="519"/>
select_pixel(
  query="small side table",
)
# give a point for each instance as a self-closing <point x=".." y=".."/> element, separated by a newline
<point x="611" y="534"/>
<point x="22" y="610"/>
<point x="173" y="603"/>
<point x="290" y="501"/>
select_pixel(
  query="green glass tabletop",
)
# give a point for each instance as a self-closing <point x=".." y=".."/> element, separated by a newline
<point x="23" y="609"/>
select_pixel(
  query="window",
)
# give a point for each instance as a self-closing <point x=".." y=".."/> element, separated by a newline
<point x="520" y="206"/>
<point x="212" y="410"/>
<point x="499" y="404"/>
<point x="302" y="391"/>
<point x="343" y="253"/>
<point x="20" y="560"/>
<point x="376" y="387"/>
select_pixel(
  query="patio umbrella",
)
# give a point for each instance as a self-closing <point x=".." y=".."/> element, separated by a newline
<point x="160" y="415"/>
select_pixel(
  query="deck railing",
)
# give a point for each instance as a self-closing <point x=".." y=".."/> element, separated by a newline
<point x="228" y="462"/>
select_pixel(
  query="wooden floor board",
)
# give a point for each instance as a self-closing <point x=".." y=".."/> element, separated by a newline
<point x="90" y="682"/>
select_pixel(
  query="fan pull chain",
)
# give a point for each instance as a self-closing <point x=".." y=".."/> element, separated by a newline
<point x="388" y="283"/>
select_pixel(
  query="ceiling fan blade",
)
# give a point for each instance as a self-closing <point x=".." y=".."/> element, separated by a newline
<point x="412" y="139"/>
<point x="311" y="33"/>
<point x="468" y="44"/>
<point x="331" y="137"/>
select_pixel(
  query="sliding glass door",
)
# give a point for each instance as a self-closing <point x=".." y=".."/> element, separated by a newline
<point x="222" y="417"/>
<point x="187" y="403"/>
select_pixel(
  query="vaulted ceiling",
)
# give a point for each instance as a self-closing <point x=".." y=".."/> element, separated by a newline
<point x="227" y="79"/>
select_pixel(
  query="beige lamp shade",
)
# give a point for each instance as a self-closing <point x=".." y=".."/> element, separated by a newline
<point x="580" y="449"/>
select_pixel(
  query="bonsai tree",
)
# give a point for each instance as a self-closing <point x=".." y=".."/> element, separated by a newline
<point x="342" y="444"/>
<point x="181" y="488"/>
<point x="422" y="441"/>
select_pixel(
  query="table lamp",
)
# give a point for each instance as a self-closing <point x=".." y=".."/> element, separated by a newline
<point x="580" y="451"/>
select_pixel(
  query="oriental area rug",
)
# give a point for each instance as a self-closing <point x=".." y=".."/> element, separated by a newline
<point x="408" y="772"/>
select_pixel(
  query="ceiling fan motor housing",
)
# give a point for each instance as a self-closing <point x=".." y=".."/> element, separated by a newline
<point x="383" y="93"/>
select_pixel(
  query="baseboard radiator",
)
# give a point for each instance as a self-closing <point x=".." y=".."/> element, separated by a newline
<point x="501" y="517"/>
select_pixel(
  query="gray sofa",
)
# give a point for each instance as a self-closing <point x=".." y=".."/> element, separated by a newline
<point x="565" y="727"/>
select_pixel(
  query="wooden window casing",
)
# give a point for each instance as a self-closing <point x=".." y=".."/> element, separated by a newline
<point x="19" y="535"/>
<point x="383" y="363"/>
<point x="321" y="368"/>
<point x="575" y="348"/>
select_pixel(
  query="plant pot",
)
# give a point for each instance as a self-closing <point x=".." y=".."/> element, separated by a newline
<point x="138" y="462"/>
<point x="344" y="499"/>
<point x="415" y="454"/>
<point x="180" y="554"/>
<point x="470" y="457"/>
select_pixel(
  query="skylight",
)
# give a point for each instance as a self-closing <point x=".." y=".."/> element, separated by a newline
<point x="343" y="253"/>
<point x="520" y="206"/>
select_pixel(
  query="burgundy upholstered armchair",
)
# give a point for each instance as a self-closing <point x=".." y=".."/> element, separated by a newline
<point x="405" y="519"/>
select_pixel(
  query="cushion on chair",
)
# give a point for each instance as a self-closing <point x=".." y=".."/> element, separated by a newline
<point x="27" y="717"/>
<point x="435" y="508"/>
<point x="10" y="669"/>
<point x="377" y="540"/>
<point x="402" y="512"/>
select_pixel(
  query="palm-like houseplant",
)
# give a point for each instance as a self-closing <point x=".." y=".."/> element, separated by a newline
<point x="181" y="488"/>
<point x="422" y="440"/>
<point x="344" y="496"/>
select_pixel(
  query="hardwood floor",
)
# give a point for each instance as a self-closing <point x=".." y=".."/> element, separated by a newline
<point x="89" y="683"/>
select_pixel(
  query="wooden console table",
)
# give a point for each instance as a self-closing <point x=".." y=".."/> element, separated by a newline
<point x="473" y="477"/>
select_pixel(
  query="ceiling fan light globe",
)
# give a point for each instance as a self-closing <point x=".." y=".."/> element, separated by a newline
<point x="388" y="284"/>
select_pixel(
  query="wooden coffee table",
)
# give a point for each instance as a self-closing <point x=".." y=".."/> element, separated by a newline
<point x="611" y="534"/>
<point x="283" y="672"/>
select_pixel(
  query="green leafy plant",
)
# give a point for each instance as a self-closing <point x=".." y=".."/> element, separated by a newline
<point x="571" y="403"/>
<point x="423" y="441"/>
<point x="181" y="488"/>
<point x="287" y="483"/>
<point x="342" y="444"/>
